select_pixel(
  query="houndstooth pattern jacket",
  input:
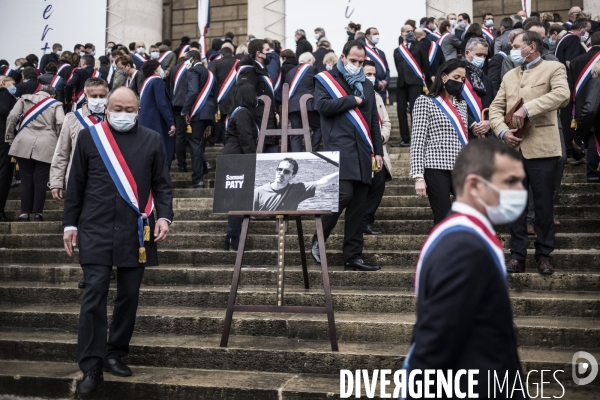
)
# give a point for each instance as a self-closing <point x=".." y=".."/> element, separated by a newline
<point x="434" y="143"/>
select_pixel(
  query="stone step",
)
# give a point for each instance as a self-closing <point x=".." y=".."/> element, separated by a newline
<point x="563" y="260"/>
<point x="247" y="353"/>
<point x="584" y="241"/>
<point x="532" y="304"/>
<point x="553" y="332"/>
<point x="393" y="277"/>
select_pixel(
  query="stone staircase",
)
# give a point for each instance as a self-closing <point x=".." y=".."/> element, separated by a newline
<point x="175" y="351"/>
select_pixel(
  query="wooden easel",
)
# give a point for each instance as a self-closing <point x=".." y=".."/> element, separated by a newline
<point x="282" y="220"/>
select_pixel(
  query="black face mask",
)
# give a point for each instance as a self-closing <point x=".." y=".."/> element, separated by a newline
<point x="453" y="87"/>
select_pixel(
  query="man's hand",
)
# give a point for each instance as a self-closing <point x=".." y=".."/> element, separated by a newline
<point x="510" y="139"/>
<point x="172" y="130"/>
<point x="358" y="100"/>
<point x="421" y="188"/>
<point x="57" y="194"/>
<point x="383" y="84"/>
<point x="481" y="128"/>
<point x="166" y="73"/>
<point x="161" y="230"/>
<point x="207" y="132"/>
<point x="70" y="241"/>
<point x="277" y="119"/>
<point x="379" y="162"/>
<point x="518" y="118"/>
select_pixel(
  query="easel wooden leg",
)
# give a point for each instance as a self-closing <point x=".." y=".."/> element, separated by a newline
<point x="234" y="282"/>
<point x="326" y="285"/>
<point x="281" y="230"/>
<point x="302" y="251"/>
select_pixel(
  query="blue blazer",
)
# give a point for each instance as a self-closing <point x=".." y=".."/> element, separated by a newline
<point x="156" y="112"/>
<point x="196" y="78"/>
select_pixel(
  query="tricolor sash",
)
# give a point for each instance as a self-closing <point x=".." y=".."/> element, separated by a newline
<point x="430" y="32"/>
<point x="72" y="72"/>
<point x="503" y="54"/>
<point x="229" y="82"/>
<point x="35" y="111"/>
<point x="96" y="74"/>
<point x="145" y="84"/>
<point x="336" y="91"/>
<point x="560" y="42"/>
<point x="178" y="75"/>
<point x="8" y="71"/>
<point x="86" y="122"/>
<point x="38" y="88"/>
<point x="278" y="82"/>
<point x="489" y="35"/>
<point x="140" y="58"/>
<point x="203" y="95"/>
<point x="372" y="55"/>
<point x="473" y="100"/>
<point x="455" y="119"/>
<point x="433" y="48"/>
<point x="412" y="63"/>
<point x="123" y="179"/>
<point x="183" y="50"/>
<point x="55" y="82"/>
<point x="456" y="224"/>
<point x="268" y="83"/>
<point x="63" y="66"/>
<point x="78" y="99"/>
<point x="164" y="55"/>
<point x="300" y="72"/>
<point x="441" y="39"/>
<point x="584" y="76"/>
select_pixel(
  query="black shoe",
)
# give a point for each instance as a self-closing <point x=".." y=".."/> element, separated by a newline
<point x="198" y="185"/>
<point x="116" y="367"/>
<point x="315" y="251"/>
<point x="3" y="217"/>
<point x="92" y="380"/>
<point x="113" y="275"/>
<point x="360" y="265"/>
<point x="402" y="144"/>
<point x="38" y="218"/>
<point x="369" y="230"/>
<point x="81" y="284"/>
<point x="207" y="167"/>
<point x="23" y="218"/>
<point x="183" y="169"/>
<point x="15" y="183"/>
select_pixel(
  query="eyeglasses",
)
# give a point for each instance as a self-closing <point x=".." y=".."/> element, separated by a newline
<point x="285" y="171"/>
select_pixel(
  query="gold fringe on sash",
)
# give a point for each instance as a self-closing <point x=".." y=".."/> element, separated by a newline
<point x="373" y="164"/>
<point x="573" y="124"/>
<point x="142" y="257"/>
<point x="425" y="90"/>
<point x="146" y="233"/>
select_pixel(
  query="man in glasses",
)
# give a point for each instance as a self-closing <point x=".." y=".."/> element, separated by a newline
<point x="282" y="194"/>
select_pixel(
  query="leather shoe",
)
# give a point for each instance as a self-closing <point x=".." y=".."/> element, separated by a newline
<point x="15" y="183"/>
<point x="207" y="166"/>
<point x="315" y="251"/>
<point x="23" y="218"/>
<point x="530" y="228"/>
<point x="360" y="265"/>
<point x="81" y="284"/>
<point x="182" y="169"/>
<point x="402" y="144"/>
<point x="514" y="266"/>
<point x="38" y="217"/>
<point x="116" y="367"/>
<point x="369" y="230"/>
<point x="574" y="161"/>
<point x="92" y="379"/>
<point x="113" y="275"/>
<point x="3" y="217"/>
<point x="544" y="267"/>
<point x="198" y="185"/>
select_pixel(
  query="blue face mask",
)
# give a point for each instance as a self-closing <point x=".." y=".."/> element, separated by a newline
<point x="462" y="25"/>
<point x="516" y="57"/>
<point x="12" y="89"/>
<point x="551" y="41"/>
<point x="122" y="121"/>
<point x="478" y="62"/>
<point x="328" y="67"/>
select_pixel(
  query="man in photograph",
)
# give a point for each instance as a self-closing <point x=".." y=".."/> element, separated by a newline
<point x="282" y="194"/>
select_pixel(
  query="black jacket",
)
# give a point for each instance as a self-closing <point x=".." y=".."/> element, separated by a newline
<point x="75" y="85"/>
<point x="221" y="69"/>
<point x="305" y="86"/>
<point x="45" y="79"/>
<point x="339" y="134"/>
<point x="495" y="71"/>
<point x="66" y="71"/>
<point x="15" y="74"/>
<point x="179" y="93"/>
<point x="242" y="133"/>
<point x="576" y="66"/>
<point x="196" y="78"/>
<point x="29" y="87"/>
<point x="47" y="59"/>
<point x="406" y="75"/>
<point x="107" y="226"/>
<point x="136" y="82"/>
<point x="589" y="116"/>
<point x="486" y="100"/>
<point x="7" y="102"/>
<point x="288" y="65"/>
<point x="437" y="61"/>
<point x="568" y="48"/>
<point x="303" y="46"/>
<point x="319" y="55"/>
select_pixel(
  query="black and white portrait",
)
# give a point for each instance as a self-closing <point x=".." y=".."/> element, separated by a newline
<point x="296" y="181"/>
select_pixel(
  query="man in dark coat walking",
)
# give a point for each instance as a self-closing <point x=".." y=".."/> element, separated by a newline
<point x="75" y="85"/>
<point x="302" y="45"/>
<point x="356" y="156"/>
<point x="51" y="57"/>
<point x="177" y="86"/>
<point x="101" y="217"/>
<point x="224" y="70"/>
<point x="29" y="83"/>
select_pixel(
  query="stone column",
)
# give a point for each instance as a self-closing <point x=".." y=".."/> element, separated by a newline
<point x="592" y="6"/>
<point x="441" y="8"/>
<point x="134" y="20"/>
<point x="266" y="18"/>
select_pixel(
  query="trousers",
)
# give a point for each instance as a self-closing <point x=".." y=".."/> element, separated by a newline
<point x="374" y="196"/>
<point x="439" y="188"/>
<point x="181" y="137"/>
<point x="92" y="346"/>
<point x="406" y="94"/>
<point x="593" y="175"/>
<point x="198" y="144"/>
<point x="314" y="123"/>
<point x="6" y="174"/>
<point x="34" y="180"/>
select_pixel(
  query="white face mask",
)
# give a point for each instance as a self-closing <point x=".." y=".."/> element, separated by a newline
<point x="317" y="36"/>
<point x="511" y="206"/>
<point x="375" y="39"/>
<point x="154" y="55"/>
<point x="141" y="50"/>
<point x="371" y="78"/>
<point x="352" y="69"/>
<point x="489" y="23"/>
<point x="188" y="64"/>
<point x="585" y="37"/>
<point x="122" y="121"/>
<point x="96" y="106"/>
<point x="453" y="22"/>
<point x="328" y="67"/>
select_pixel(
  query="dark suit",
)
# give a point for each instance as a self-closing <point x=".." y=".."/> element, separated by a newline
<point x="16" y="75"/>
<point x="75" y="85"/>
<point x="381" y="74"/>
<point x="438" y="59"/>
<point x="108" y="236"/>
<point x="50" y="58"/>
<point x="7" y="102"/>
<point x="178" y="95"/>
<point x="464" y="313"/>
<point x="306" y="85"/>
<point x="156" y="113"/>
<point x="136" y="82"/>
<point x="319" y="55"/>
<point x="221" y="69"/>
<point x="29" y="87"/>
<point x="339" y="134"/>
<point x="409" y="85"/>
<point x="303" y="46"/>
<point x="45" y="79"/>
<point x="486" y="100"/>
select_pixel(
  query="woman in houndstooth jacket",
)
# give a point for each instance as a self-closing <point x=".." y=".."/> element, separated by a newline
<point x="439" y="130"/>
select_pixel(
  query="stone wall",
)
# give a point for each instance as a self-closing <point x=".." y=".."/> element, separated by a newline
<point x="180" y="18"/>
<point x="504" y="8"/>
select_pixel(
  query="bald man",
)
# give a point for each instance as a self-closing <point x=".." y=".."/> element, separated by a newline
<point x="573" y="14"/>
<point x="100" y="212"/>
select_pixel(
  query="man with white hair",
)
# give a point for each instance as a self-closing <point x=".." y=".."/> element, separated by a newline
<point x="301" y="81"/>
<point x="302" y="45"/>
<point x="573" y="12"/>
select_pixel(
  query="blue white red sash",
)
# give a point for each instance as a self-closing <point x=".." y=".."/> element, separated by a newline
<point x="178" y="74"/>
<point x="583" y="77"/>
<point x="455" y="119"/>
<point x="300" y="72"/>
<point x="473" y="100"/>
<point x="96" y="74"/>
<point x="278" y="82"/>
<point x="456" y="224"/>
<point x="229" y="82"/>
<point x="72" y="72"/>
<point x="38" y="88"/>
<point x="354" y="115"/>
<point x="8" y="71"/>
<point x="121" y="175"/>
<point x="430" y="32"/>
<point x="145" y="84"/>
<point x="441" y="39"/>
<point x="78" y="99"/>
<point x="140" y="58"/>
<point x="55" y="81"/>
<point x="433" y="48"/>
<point x="412" y="63"/>
<point x="63" y="66"/>
<point x="231" y="116"/>
<point x="164" y="55"/>
<point x="183" y="50"/>
<point x="203" y="95"/>
<point x="560" y="42"/>
<point x="268" y="83"/>
<point x="35" y="111"/>
<point x="503" y="54"/>
<point x="243" y="67"/>
<point x="372" y="55"/>
<point x="489" y="35"/>
<point x="86" y="122"/>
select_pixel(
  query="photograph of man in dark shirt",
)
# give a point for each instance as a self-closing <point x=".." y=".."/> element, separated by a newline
<point x="282" y="194"/>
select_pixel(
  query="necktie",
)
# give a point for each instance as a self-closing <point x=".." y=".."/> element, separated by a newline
<point x="375" y="48"/>
<point x="128" y="82"/>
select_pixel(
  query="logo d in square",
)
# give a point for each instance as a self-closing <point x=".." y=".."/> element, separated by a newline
<point x="582" y="367"/>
